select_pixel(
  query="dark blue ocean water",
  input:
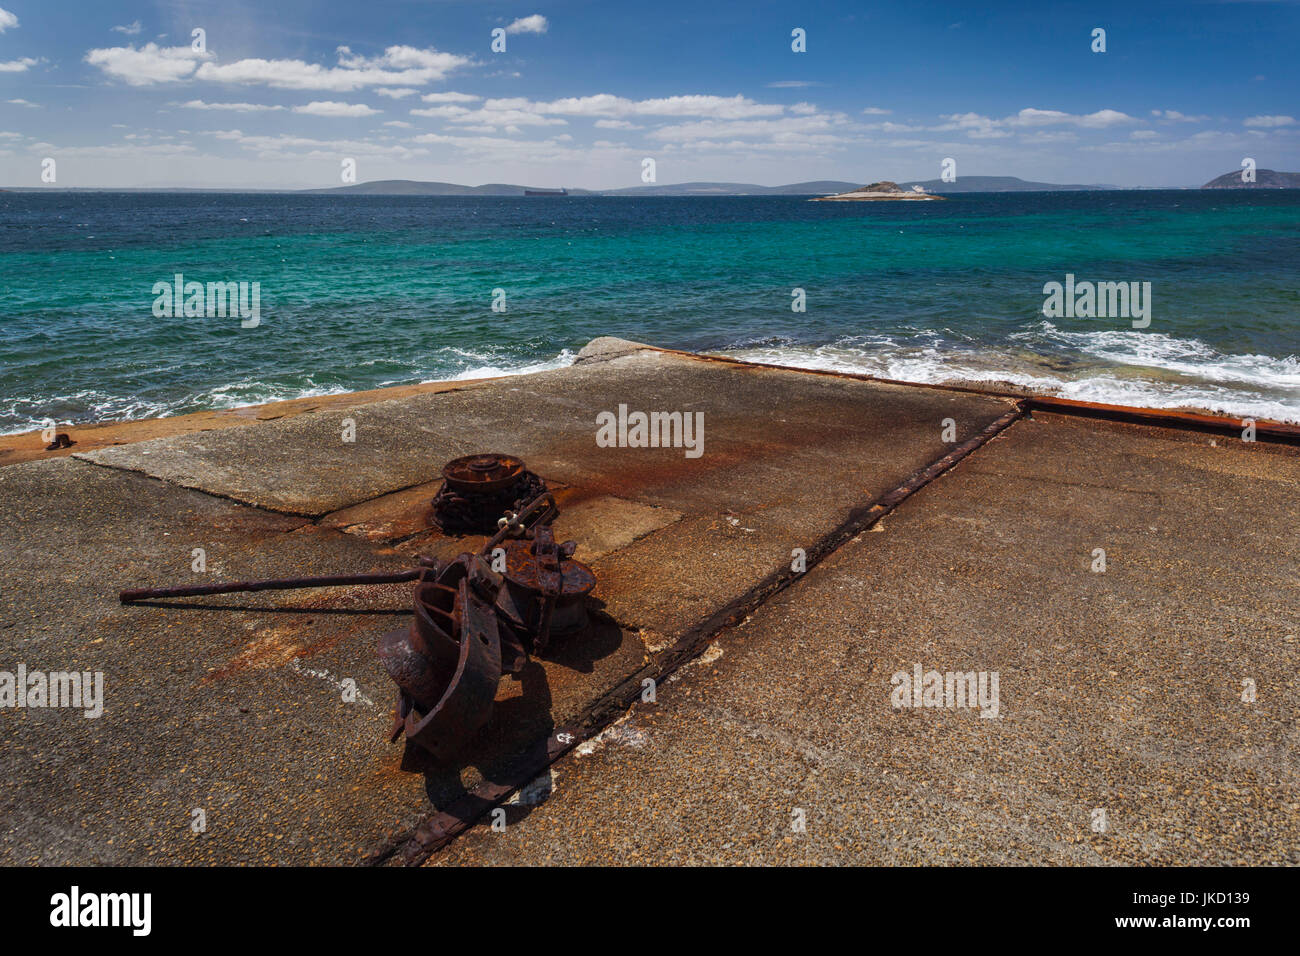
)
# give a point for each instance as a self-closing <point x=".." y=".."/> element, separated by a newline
<point x="358" y="292"/>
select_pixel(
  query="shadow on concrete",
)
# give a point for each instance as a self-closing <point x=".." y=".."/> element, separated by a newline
<point x="517" y="735"/>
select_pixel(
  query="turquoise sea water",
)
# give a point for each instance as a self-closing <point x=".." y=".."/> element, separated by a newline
<point x="359" y="292"/>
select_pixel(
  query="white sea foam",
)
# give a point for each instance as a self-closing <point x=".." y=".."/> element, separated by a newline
<point x="564" y="359"/>
<point x="1149" y="370"/>
<point x="1189" y="357"/>
<point x="92" y="406"/>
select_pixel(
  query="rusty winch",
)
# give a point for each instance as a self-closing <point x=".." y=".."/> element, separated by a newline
<point x="476" y="617"/>
<point x="478" y="490"/>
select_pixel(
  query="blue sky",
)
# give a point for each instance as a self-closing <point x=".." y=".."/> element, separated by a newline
<point x="410" y="89"/>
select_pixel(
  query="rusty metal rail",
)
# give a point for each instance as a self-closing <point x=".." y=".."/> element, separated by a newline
<point x="1266" y="430"/>
<point x="132" y="595"/>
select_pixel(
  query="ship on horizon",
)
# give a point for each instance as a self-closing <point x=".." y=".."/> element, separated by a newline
<point x="546" y="192"/>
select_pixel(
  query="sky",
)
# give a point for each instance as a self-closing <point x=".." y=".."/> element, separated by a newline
<point x="281" y="94"/>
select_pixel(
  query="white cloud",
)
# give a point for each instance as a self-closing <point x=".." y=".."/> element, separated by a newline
<point x="792" y="84"/>
<point x="397" y="66"/>
<point x="332" y="108"/>
<point x="229" y="107"/>
<point x="18" y="66"/>
<point x="397" y="94"/>
<point x="973" y="125"/>
<point x="534" y="24"/>
<point x="723" y="149"/>
<point x="399" y="124"/>
<point x="1050" y="136"/>
<point x="21" y="102"/>
<point x="876" y="111"/>
<point x="608" y="106"/>
<point x="787" y="130"/>
<point x="132" y="29"/>
<point x="499" y="152"/>
<point x="512" y="113"/>
<point x="285" y="146"/>
<point x="130" y="151"/>
<point x="1173" y="116"/>
<point x="516" y="118"/>
<point x="148" y="65"/>
<point x="891" y="127"/>
<point x="1205" y="139"/>
<point x="402" y="58"/>
<point x="1097" y="120"/>
<point x="450" y="98"/>
<point x="7" y="20"/>
<point x="1268" y="121"/>
<point x="443" y="112"/>
<point x="977" y="126"/>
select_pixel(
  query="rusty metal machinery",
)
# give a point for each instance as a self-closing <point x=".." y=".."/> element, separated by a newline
<point x="478" y="489"/>
<point x="474" y="623"/>
<point x="476" y="617"/>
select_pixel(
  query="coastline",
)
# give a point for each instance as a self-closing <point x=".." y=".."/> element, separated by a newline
<point x="30" y="446"/>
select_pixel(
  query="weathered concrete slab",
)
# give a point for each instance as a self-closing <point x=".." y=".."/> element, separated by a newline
<point x="303" y="466"/>
<point x="235" y="712"/>
<point x="1120" y="691"/>
<point x="233" y="705"/>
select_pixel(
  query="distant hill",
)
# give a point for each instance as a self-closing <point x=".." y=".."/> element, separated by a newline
<point x="1264" y="179"/>
<point x="821" y="187"/>
<point x="409" y="187"/>
<point x="817" y="188"/>
<point x="997" y="184"/>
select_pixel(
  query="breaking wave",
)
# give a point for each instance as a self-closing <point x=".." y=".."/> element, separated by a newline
<point x="87" y="406"/>
<point x="1120" y="367"/>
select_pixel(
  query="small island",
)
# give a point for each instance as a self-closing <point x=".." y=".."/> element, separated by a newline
<point x="879" y="191"/>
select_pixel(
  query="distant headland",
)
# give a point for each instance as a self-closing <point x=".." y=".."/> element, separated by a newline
<point x="1264" y="179"/>
<point x="824" y="188"/>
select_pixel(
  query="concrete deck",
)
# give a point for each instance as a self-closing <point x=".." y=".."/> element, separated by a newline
<point x="1118" y="690"/>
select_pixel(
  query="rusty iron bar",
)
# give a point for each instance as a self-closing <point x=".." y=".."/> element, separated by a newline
<point x="276" y="584"/>
<point x="333" y="580"/>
